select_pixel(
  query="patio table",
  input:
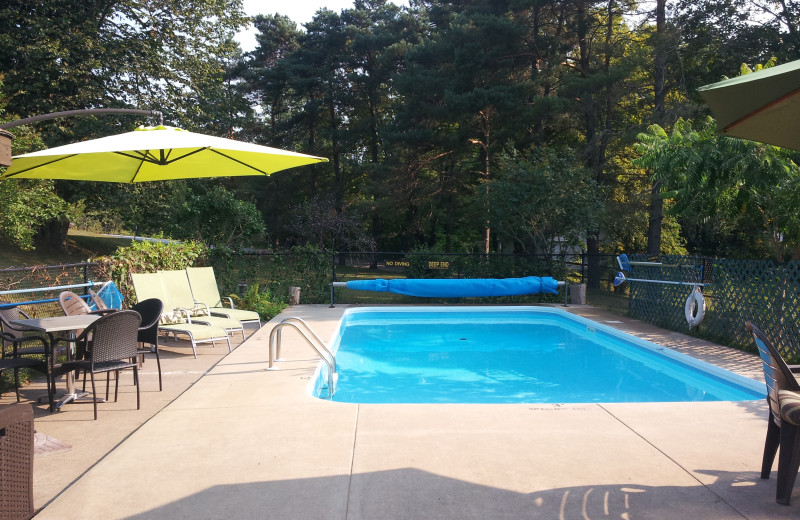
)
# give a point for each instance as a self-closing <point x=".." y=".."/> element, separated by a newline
<point x="51" y="326"/>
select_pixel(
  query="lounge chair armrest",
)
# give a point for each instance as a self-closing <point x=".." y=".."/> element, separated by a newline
<point x="795" y="369"/>
<point x="202" y="306"/>
<point x="187" y="313"/>
<point x="230" y="301"/>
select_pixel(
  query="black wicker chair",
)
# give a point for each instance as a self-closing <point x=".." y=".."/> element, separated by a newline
<point x="113" y="348"/>
<point x="21" y="348"/>
<point x="150" y="311"/>
<point x="783" y="396"/>
<point x="16" y="461"/>
<point x="28" y="342"/>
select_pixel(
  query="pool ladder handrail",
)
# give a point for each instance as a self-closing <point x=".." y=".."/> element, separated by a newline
<point x="322" y="350"/>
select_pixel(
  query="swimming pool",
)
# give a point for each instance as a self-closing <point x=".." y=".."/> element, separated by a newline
<point x="511" y="355"/>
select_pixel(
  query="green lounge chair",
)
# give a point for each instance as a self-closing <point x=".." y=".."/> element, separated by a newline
<point x="176" y="284"/>
<point x="205" y="292"/>
<point x="148" y="285"/>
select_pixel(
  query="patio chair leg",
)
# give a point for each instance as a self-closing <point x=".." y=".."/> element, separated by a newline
<point x="116" y="385"/>
<point x="16" y="382"/>
<point x="770" y="447"/>
<point x="136" y="378"/>
<point x="158" y="362"/>
<point x="50" y="389"/>
<point x="94" y="396"/>
<point x="788" y="462"/>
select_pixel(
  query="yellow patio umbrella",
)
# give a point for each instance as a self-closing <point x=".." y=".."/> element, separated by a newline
<point x="154" y="154"/>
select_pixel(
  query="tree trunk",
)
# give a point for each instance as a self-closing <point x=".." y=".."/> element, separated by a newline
<point x="659" y="88"/>
<point x="484" y="124"/>
<point x="53" y="235"/>
<point x="590" y="128"/>
<point x="656" y="218"/>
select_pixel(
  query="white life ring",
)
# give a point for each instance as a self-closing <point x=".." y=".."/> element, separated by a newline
<point x="695" y="308"/>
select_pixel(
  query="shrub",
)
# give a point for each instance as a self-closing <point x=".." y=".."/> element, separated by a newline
<point x="148" y="257"/>
<point x="260" y="302"/>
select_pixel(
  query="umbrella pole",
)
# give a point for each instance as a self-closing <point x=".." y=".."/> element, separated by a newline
<point x="84" y="112"/>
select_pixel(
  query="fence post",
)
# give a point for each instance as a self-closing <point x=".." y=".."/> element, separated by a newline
<point x="333" y="274"/>
<point x="86" y="277"/>
<point x="583" y="263"/>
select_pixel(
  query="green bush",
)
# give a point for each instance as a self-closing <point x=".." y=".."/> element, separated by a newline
<point x="148" y="257"/>
<point x="260" y="302"/>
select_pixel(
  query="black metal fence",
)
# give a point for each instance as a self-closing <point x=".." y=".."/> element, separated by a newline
<point x="313" y="272"/>
<point x="764" y="292"/>
<point x="40" y="304"/>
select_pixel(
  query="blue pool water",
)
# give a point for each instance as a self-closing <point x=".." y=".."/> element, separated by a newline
<point x="511" y="355"/>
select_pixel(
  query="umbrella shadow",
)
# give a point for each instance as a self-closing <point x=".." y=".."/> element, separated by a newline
<point x="414" y="494"/>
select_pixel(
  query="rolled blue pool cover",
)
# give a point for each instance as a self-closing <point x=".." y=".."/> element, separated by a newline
<point x="477" y="287"/>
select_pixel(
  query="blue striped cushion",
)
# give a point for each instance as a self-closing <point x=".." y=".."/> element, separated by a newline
<point x="790" y="406"/>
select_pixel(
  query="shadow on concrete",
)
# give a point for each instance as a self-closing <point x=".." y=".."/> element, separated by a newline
<point x="413" y="494"/>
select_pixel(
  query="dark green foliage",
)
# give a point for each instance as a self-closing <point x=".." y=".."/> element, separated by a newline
<point x="736" y="197"/>
<point x="218" y="218"/>
<point x="259" y="301"/>
<point x="147" y="257"/>
<point x="545" y="201"/>
<point x="415" y="108"/>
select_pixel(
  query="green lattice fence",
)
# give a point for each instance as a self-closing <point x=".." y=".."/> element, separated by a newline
<point x="763" y="292"/>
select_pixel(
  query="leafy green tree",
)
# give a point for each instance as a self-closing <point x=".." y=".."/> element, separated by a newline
<point x="62" y="55"/>
<point x="463" y="88"/>
<point x="544" y="201"/>
<point x="265" y="72"/>
<point x="320" y="224"/>
<point x="726" y="186"/>
<point x="217" y="217"/>
<point x="30" y="206"/>
<point x="716" y="36"/>
<point x="65" y="54"/>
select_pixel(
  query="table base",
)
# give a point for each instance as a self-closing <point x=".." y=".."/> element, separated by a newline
<point x="75" y="397"/>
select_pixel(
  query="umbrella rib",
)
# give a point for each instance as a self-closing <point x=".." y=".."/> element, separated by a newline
<point x="39" y="165"/>
<point x="761" y="109"/>
<point x="238" y="161"/>
<point x="141" y="156"/>
<point x="136" y="173"/>
<point x="169" y="161"/>
<point x="162" y="159"/>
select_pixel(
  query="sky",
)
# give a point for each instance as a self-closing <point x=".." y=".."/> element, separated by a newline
<point x="300" y="11"/>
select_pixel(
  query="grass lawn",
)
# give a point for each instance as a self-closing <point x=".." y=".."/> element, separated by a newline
<point x="81" y="245"/>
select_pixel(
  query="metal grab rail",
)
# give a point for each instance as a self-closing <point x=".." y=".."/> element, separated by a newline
<point x="308" y="329"/>
<point x="321" y="350"/>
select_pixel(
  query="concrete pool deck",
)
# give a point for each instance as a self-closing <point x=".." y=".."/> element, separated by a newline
<point x="229" y="439"/>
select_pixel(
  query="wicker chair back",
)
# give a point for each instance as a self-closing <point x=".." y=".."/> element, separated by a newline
<point x="16" y="461"/>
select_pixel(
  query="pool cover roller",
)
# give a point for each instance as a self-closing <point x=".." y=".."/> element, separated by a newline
<point x="458" y="288"/>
